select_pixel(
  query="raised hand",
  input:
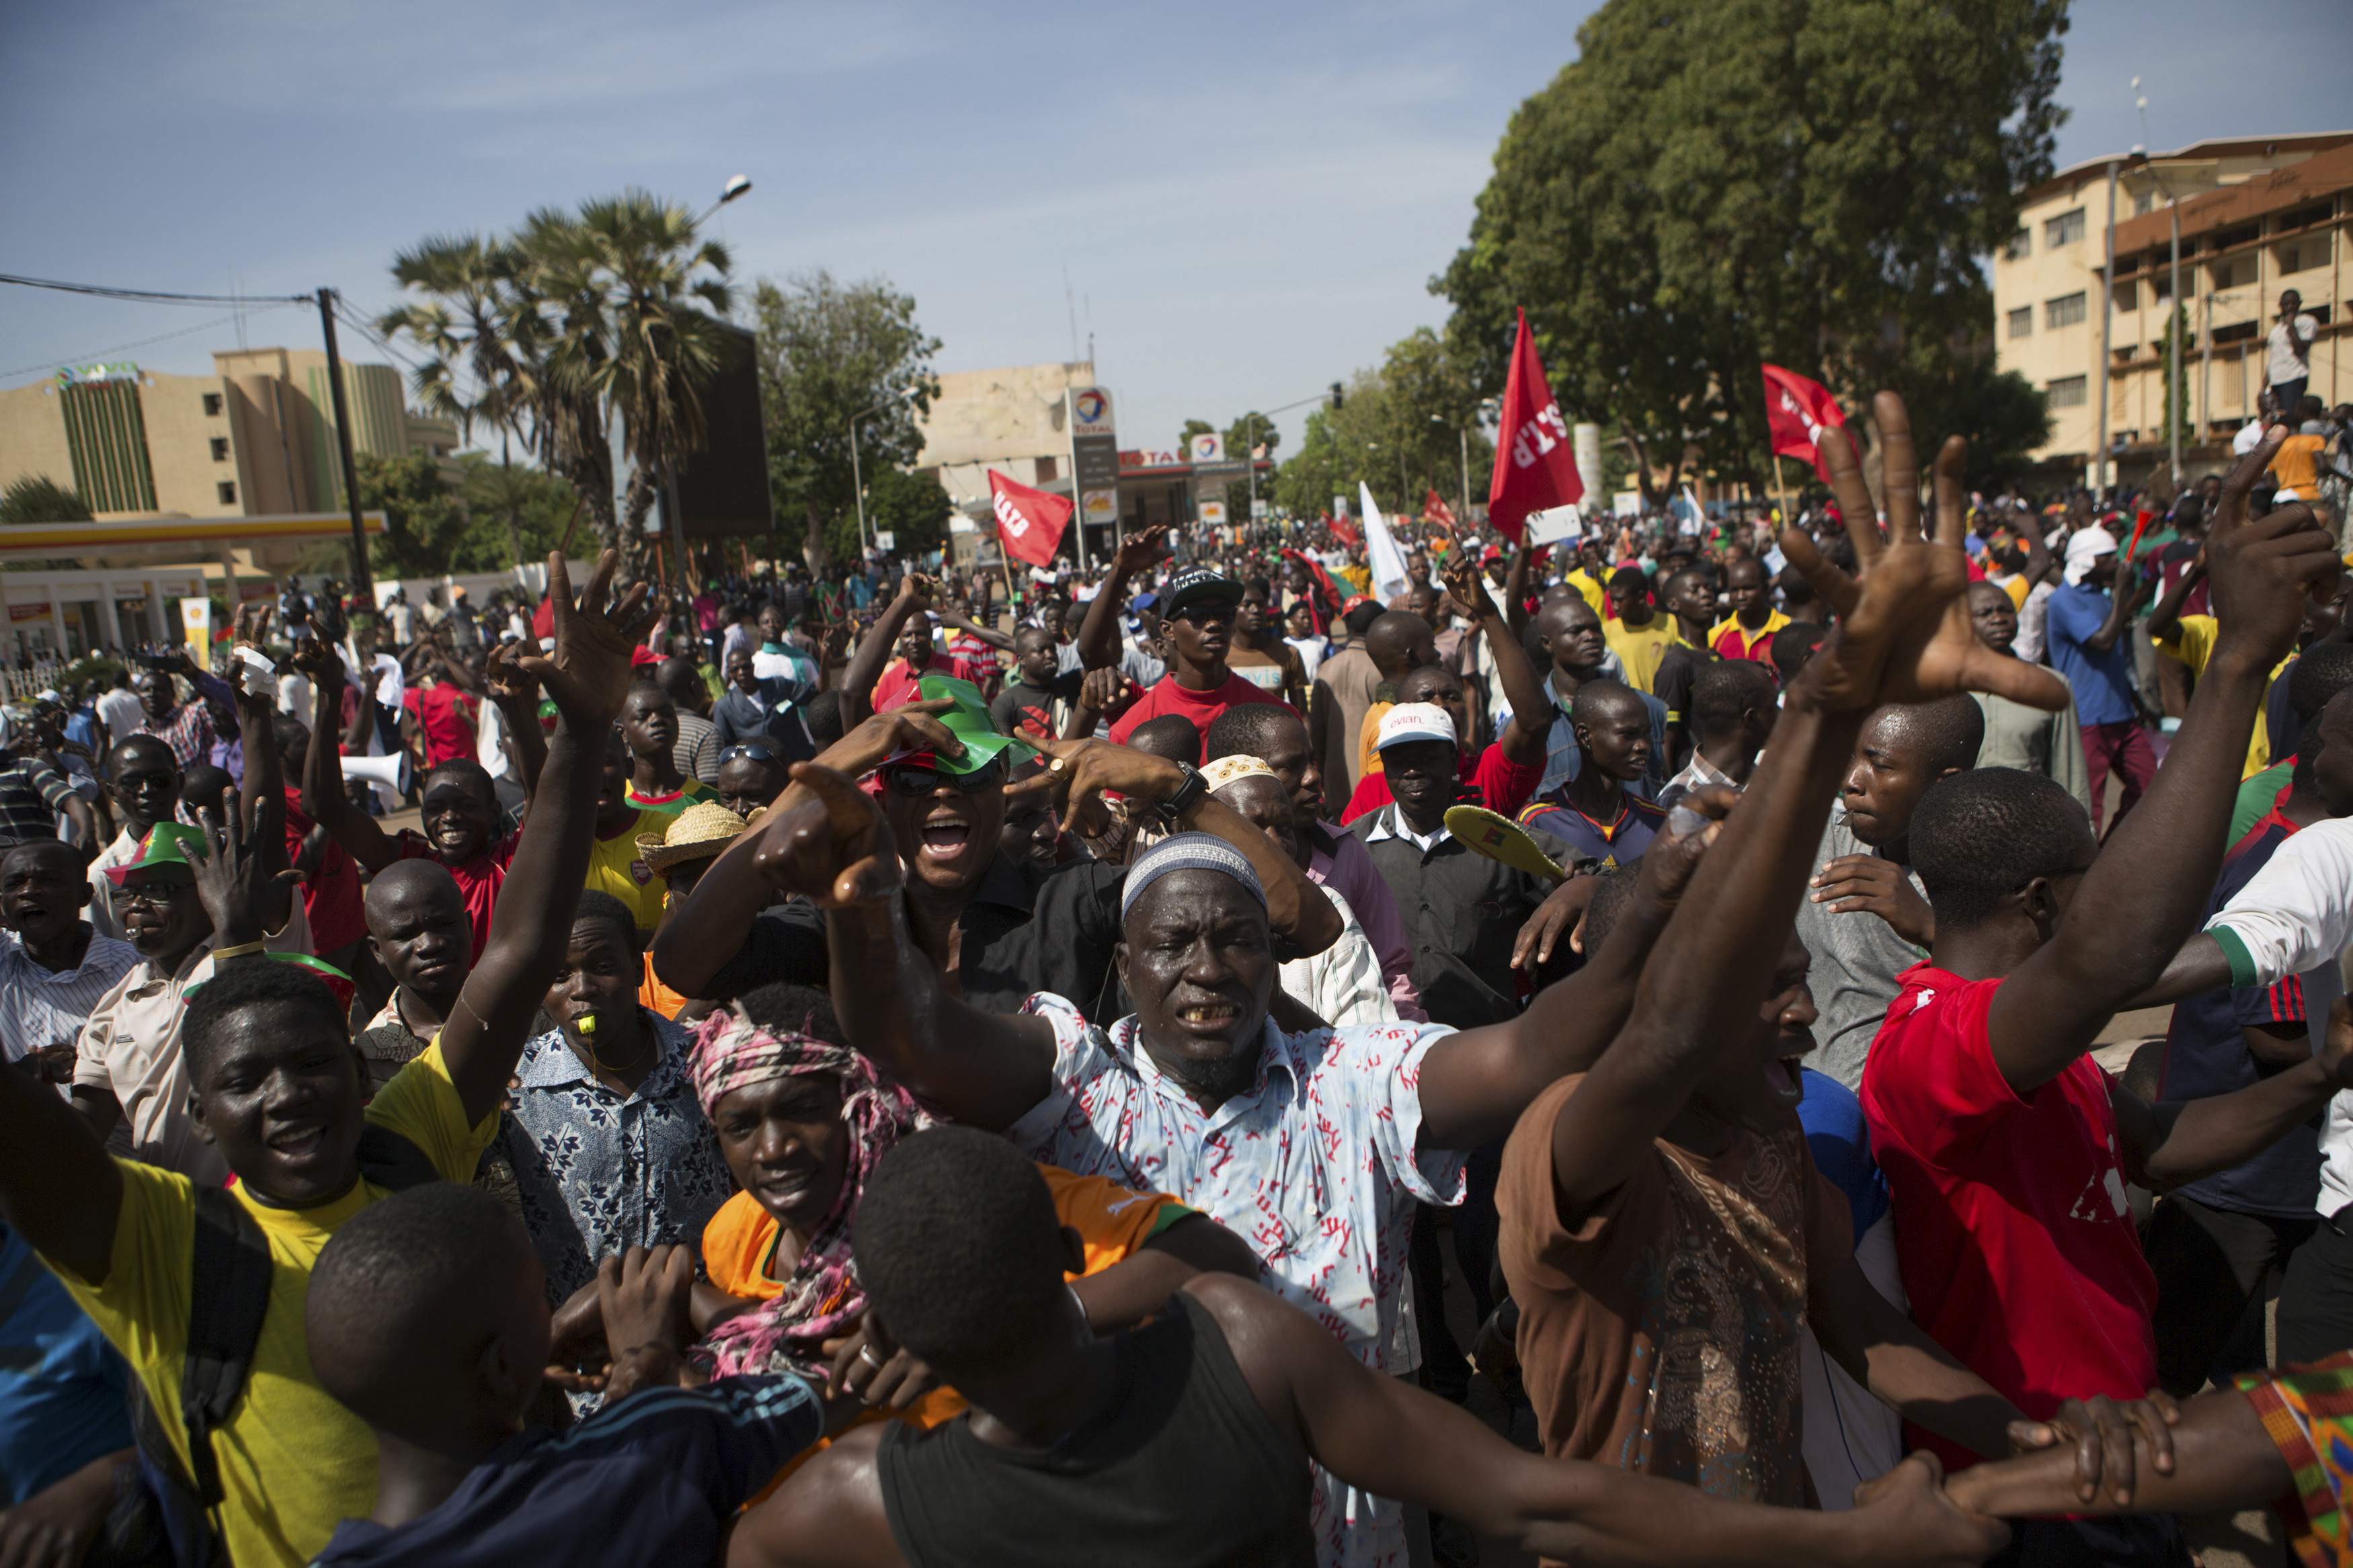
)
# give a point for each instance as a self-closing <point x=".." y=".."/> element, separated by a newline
<point x="589" y="674"/>
<point x="234" y="879"/>
<point x="506" y="682"/>
<point x="317" y="658"/>
<point x="2260" y="571"/>
<point x="1140" y="550"/>
<point x="1108" y="691"/>
<point x="918" y="589"/>
<point x="828" y="842"/>
<point x="1080" y="773"/>
<point x="1459" y="574"/>
<point x="1904" y="633"/>
<point x="913" y="727"/>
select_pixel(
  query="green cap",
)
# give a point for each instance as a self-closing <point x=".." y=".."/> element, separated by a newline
<point x="166" y="844"/>
<point x="969" y="722"/>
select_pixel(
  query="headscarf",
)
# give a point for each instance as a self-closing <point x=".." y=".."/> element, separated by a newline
<point x="2085" y="547"/>
<point x="1233" y="770"/>
<point x="823" y="1299"/>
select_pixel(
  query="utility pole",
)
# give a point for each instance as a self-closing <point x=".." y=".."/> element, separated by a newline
<point x="361" y="583"/>
<point x="2176" y="393"/>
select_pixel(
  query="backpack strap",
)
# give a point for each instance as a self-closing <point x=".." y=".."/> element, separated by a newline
<point x="230" y="1295"/>
<point x="393" y="1162"/>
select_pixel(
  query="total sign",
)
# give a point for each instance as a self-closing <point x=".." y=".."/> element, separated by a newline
<point x="1209" y="447"/>
<point x="1090" y="412"/>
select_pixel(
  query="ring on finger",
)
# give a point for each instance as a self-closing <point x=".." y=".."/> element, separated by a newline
<point x="866" y="1354"/>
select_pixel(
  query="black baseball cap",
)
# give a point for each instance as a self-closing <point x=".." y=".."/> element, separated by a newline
<point x="1197" y="584"/>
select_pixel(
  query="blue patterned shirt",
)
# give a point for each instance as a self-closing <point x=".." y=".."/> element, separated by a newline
<point x="598" y="1173"/>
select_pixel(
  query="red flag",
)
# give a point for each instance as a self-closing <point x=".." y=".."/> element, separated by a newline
<point x="1534" y="469"/>
<point x="1345" y="531"/>
<point x="1324" y="601"/>
<point x="1030" y="522"/>
<point x="1436" y="510"/>
<point x="1798" y="411"/>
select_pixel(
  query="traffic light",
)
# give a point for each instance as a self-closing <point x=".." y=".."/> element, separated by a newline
<point x="1337" y="397"/>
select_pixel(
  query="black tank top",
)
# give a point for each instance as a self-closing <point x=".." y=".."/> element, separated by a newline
<point x="1182" y="1470"/>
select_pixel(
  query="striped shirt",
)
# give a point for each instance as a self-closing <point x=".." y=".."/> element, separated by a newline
<point x="47" y="1006"/>
<point x="32" y="792"/>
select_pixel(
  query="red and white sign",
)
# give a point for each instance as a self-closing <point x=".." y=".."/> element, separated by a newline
<point x="1798" y="411"/>
<point x="1534" y="469"/>
<point x="1434" y="510"/>
<point x="1030" y="522"/>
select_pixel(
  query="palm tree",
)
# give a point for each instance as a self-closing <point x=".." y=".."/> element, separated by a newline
<point x="634" y="303"/>
<point x="469" y="324"/>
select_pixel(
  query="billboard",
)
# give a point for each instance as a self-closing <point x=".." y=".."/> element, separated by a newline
<point x="722" y="489"/>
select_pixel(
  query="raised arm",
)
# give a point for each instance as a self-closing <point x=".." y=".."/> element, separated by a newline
<point x="989" y="634"/>
<point x="263" y="796"/>
<point x="2164" y="1145"/>
<point x="702" y="935"/>
<point x="827" y="841"/>
<point x="588" y="675"/>
<point x="1905" y="636"/>
<point x="324" y="800"/>
<point x="873" y="651"/>
<point x="1522" y="739"/>
<point x="1516" y="589"/>
<point x="2165" y="621"/>
<point x="2143" y="894"/>
<point x="516" y="695"/>
<point x="1098" y="638"/>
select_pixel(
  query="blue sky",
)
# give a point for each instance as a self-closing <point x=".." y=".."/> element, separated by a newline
<point x="1248" y="201"/>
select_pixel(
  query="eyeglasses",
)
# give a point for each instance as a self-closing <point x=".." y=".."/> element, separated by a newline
<point x="916" y="783"/>
<point x="757" y="753"/>
<point x="156" y="894"/>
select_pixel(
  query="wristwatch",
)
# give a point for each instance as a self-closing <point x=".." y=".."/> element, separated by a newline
<point x="1187" y="795"/>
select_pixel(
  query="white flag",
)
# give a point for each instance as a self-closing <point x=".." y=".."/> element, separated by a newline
<point x="1381" y="552"/>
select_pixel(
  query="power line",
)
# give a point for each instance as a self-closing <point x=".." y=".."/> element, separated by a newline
<point x="154" y="296"/>
<point x="141" y="343"/>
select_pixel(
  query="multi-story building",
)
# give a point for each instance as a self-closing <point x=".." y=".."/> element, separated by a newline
<point x="2257" y="216"/>
<point x="254" y="438"/>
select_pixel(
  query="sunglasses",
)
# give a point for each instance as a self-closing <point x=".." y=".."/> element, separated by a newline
<point x="757" y="753"/>
<point x="917" y="782"/>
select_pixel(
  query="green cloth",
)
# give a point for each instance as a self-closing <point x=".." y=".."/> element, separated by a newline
<point x="167" y="844"/>
<point x="2255" y="797"/>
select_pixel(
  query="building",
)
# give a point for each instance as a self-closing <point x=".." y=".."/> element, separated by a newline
<point x="1014" y="419"/>
<point x="254" y="438"/>
<point x="2257" y="216"/>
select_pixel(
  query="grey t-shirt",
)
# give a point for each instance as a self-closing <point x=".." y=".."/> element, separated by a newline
<point x="1856" y="958"/>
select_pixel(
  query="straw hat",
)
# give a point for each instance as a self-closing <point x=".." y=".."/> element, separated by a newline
<point x="701" y="830"/>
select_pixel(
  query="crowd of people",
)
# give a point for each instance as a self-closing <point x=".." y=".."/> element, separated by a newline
<point x="930" y="1066"/>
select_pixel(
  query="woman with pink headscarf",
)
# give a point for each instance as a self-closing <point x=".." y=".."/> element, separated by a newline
<point x="802" y="1120"/>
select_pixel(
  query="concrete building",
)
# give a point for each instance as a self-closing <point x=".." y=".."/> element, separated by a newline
<point x="2257" y="216"/>
<point x="256" y="438"/>
<point x="1014" y="419"/>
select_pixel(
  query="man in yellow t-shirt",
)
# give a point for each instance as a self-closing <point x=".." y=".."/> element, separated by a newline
<point x="2188" y="640"/>
<point x="1636" y="632"/>
<point x="615" y="865"/>
<point x="278" y="1088"/>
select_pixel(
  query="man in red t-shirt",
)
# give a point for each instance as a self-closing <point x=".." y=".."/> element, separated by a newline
<point x="444" y="716"/>
<point x="1200" y="608"/>
<point x="2006" y="1149"/>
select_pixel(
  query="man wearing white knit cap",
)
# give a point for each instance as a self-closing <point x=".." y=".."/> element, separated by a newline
<point x="1312" y="1147"/>
<point x="2086" y="626"/>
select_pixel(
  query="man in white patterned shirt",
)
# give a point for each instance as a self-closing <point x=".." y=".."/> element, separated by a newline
<point x="58" y="967"/>
<point x="1312" y="1147"/>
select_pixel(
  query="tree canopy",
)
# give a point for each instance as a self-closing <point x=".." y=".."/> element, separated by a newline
<point x="1400" y="428"/>
<point x="828" y="352"/>
<point x="1716" y="183"/>
<point x="36" y="497"/>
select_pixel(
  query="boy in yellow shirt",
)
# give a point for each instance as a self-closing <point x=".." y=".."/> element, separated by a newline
<point x="277" y="1088"/>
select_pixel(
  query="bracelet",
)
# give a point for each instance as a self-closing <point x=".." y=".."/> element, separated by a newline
<point x="239" y="950"/>
<point x="1079" y="1301"/>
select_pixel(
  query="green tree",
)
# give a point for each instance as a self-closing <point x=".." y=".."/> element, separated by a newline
<point x="514" y="513"/>
<point x="423" y="522"/>
<point x="2003" y="415"/>
<point x="829" y="353"/>
<point x="1399" y="429"/>
<point x="1723" y="183"/>
<point x="36" y="497"/>
<point x="1252" y="429"/>
<point x="912" y="507"/>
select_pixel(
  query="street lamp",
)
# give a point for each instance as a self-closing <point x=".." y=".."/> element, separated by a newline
<point x="856" y="482"/>
<point x="2177" y="395"/>
<point x="735" y="186"/>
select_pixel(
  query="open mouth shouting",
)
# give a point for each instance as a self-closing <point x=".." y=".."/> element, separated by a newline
<point x="945" y="835"/>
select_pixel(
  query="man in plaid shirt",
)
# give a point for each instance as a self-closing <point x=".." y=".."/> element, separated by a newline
<point x="185" y="727"/>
